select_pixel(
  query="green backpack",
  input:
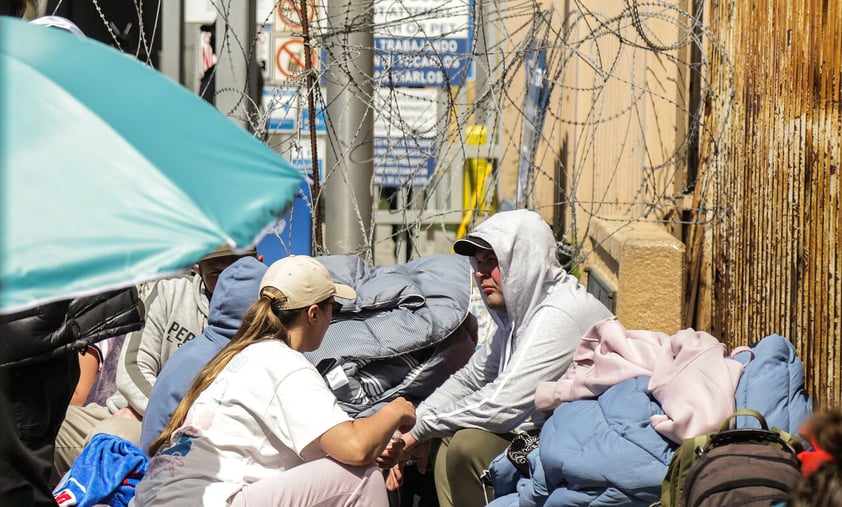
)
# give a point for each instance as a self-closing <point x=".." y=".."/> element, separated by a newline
<point x="692" y="448"/>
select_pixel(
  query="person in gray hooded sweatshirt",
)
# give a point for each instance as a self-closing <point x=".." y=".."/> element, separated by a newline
<point x="541" y="313"/>
<point x="236" y="290"/>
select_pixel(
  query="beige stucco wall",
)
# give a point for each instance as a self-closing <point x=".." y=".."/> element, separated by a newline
<point x="613" y="142"/>
<point x="644" y="265"/>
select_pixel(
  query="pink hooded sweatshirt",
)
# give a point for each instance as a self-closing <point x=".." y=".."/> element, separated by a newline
<point x="691" y="375"/>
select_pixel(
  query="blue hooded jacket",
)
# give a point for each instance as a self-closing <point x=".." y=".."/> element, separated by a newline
<point x="236" y="290"/>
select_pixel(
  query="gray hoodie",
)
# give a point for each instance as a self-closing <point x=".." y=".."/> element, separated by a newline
<point x="548" y="313"/>
<point x="176" y="312"/>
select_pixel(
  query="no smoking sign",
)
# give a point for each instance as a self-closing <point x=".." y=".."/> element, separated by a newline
<point x="288" y="13"/>
<point x="289" y="58"/>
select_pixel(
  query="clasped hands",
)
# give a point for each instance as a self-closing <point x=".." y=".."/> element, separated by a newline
<point x="393" y="459"/>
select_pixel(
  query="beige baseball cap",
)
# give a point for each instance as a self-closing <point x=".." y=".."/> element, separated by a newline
<point x="225" y="251"/>
<point x="304" y="281"/>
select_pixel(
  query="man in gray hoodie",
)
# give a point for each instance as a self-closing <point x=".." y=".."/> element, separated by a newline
<point x="541" y="313"/>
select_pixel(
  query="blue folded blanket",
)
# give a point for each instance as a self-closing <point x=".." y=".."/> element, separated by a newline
<point x="106" y="472"/>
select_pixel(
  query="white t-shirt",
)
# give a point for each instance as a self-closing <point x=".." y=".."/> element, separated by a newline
<point x="258" y="418"/>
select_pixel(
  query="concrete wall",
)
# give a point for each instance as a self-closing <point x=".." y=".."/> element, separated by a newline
<point x="639" y="267"/>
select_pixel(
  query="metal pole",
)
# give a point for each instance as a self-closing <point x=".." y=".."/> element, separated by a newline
<point x="349" y="161"/>
<point x="310" y="79"/>
<point x="172" y="39"/>
<point x="235" y="34"/>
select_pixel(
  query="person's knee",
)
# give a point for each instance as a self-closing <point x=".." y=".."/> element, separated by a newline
<point x="127" y="429"/>
<point x="462" y="451"/>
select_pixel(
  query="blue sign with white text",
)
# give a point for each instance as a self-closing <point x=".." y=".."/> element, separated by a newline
<point x="538" y="87"/>
<point x="403" y="161"/>
<point x="321" y="126"/>
<point x="411" y="61"/>
<point x="279" y="104"/>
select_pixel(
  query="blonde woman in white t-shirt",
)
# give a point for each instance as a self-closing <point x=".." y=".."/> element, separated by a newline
<point x="259" y="425"/>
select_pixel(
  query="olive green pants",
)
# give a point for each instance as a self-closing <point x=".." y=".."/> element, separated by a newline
<point x="459" y="463"/>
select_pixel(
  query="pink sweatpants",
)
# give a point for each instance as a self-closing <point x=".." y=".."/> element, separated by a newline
<point x="320" y="483"/>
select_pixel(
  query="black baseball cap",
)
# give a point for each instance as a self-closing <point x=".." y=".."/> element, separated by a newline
<point x="469" y="244"/>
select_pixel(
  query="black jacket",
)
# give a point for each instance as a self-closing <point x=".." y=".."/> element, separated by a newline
<point x="56" y="328"/>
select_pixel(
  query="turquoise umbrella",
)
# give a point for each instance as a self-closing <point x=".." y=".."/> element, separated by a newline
<point x="112" y="174"/>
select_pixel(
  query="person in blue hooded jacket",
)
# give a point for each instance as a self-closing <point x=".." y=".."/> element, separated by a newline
<point x="236" y="290"/>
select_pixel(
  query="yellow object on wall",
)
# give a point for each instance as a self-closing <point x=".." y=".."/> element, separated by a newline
<point x="478" y="192"/>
